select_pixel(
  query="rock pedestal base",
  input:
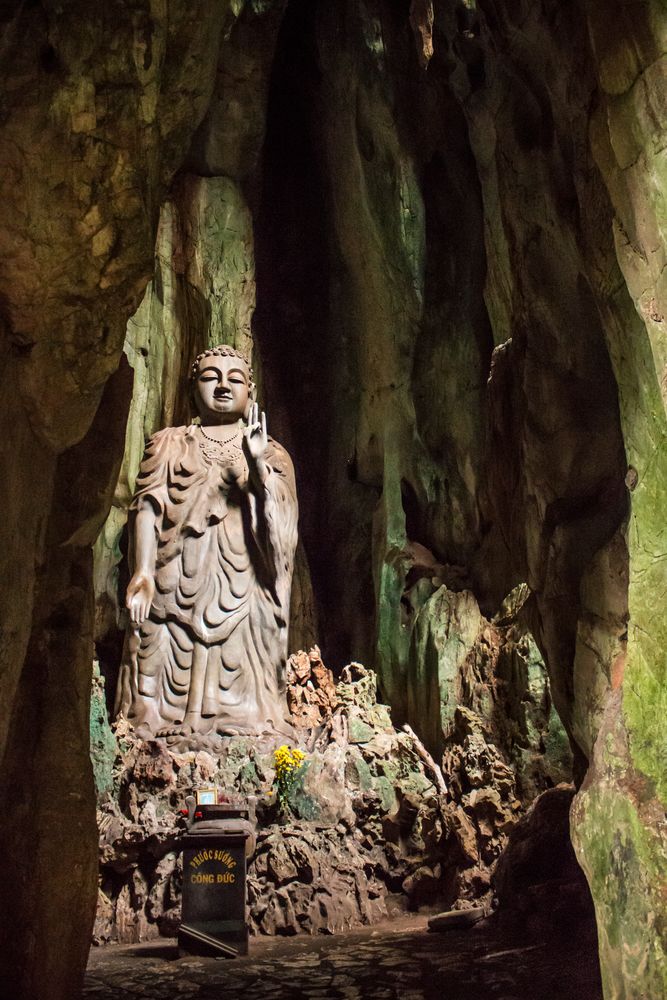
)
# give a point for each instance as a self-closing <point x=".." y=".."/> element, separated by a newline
<point x="369" y="826"/>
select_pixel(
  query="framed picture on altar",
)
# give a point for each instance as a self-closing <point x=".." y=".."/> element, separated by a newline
<point x="207" y="796"/>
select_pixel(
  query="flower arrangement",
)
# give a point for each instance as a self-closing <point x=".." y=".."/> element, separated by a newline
<point x="288" y="764"/>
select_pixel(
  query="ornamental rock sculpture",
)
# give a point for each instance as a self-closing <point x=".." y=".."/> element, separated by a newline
<point x="213" y="531"/>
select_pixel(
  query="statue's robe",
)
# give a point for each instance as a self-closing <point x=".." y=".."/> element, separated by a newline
<point x="225" y="555"/>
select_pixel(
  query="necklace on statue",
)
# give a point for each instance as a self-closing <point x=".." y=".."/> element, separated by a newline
<point x="224" y="451"/>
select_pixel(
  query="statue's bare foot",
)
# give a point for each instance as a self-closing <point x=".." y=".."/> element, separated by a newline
<point x="182" y="729"/>
<point x="228" y="729"/>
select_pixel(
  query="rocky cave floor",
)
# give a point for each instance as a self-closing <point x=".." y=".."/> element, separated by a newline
<point x="401" y="960"/>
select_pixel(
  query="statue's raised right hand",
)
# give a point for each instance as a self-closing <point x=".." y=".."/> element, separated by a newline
<point x="255" y="438"/>
<point x="139" y="597"/>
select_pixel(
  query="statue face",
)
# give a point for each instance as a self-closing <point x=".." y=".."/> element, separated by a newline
<point x="222" y="390"/>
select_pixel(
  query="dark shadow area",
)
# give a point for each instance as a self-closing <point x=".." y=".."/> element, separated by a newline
<point x="157" y="950"/>
<point x="541" y="890"/>
<point x="390" y="962"/>
<point x="292" y="321"/>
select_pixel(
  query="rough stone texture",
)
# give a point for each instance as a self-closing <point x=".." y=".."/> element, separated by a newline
<point x="353" y="156"/>
<point x="311" y="690"/>
<point x="562" y="166"/>
<point x="103" y="746"/>
<point x="500" y="216"/>
<point x="625" y="794"/>
<point x="365" y="823"/>
<point x="416" y="232"/>
<point x="399" y="961"/>
<point x="539" y="886"/>
<point x="368" y="832"/>
<point x="503" y="742"/>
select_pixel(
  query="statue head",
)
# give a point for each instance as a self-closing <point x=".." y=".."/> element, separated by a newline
<point x="222" y="385"/>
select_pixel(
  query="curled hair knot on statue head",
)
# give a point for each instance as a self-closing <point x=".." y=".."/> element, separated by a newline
<point x="221" y="351"/>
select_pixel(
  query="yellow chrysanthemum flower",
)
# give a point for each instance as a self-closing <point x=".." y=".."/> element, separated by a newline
<point x="288" y="763"/>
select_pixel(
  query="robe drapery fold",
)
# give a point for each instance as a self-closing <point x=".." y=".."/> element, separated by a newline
<point x="225" y="556"/>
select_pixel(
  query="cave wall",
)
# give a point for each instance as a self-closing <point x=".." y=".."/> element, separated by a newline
<point x="438" y="228"/>
<point x="568" y="127"/>
<point x="443" y="325"/>
<point x="370" y="244"/>
<point x="624" y="793"/>
<point x="97" y="114"/>
<point x="494" y="215"/>
<point x="203" y="292"/>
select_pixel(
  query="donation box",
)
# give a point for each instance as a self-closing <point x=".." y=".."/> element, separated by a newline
<point x="215" y="848"/>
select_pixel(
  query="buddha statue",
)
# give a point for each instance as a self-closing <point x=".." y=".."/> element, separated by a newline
<point x="213" y="532"/>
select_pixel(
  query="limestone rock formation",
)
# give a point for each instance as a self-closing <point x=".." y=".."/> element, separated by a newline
<point x="98" y="115"/>
<point x="440" y="229"/>
<point x="371" y="827"/>
<point x="365" y="824"/>
<point x="311" y="690"/>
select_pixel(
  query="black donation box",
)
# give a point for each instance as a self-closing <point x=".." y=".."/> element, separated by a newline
<point x="219" y="839"/>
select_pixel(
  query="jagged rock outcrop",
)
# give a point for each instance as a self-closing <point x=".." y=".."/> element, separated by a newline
<point x="365" y="824"/>
<point x="499" y="735"/>
<point x="371" y="828"/>
<point x="311" y="690"/>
